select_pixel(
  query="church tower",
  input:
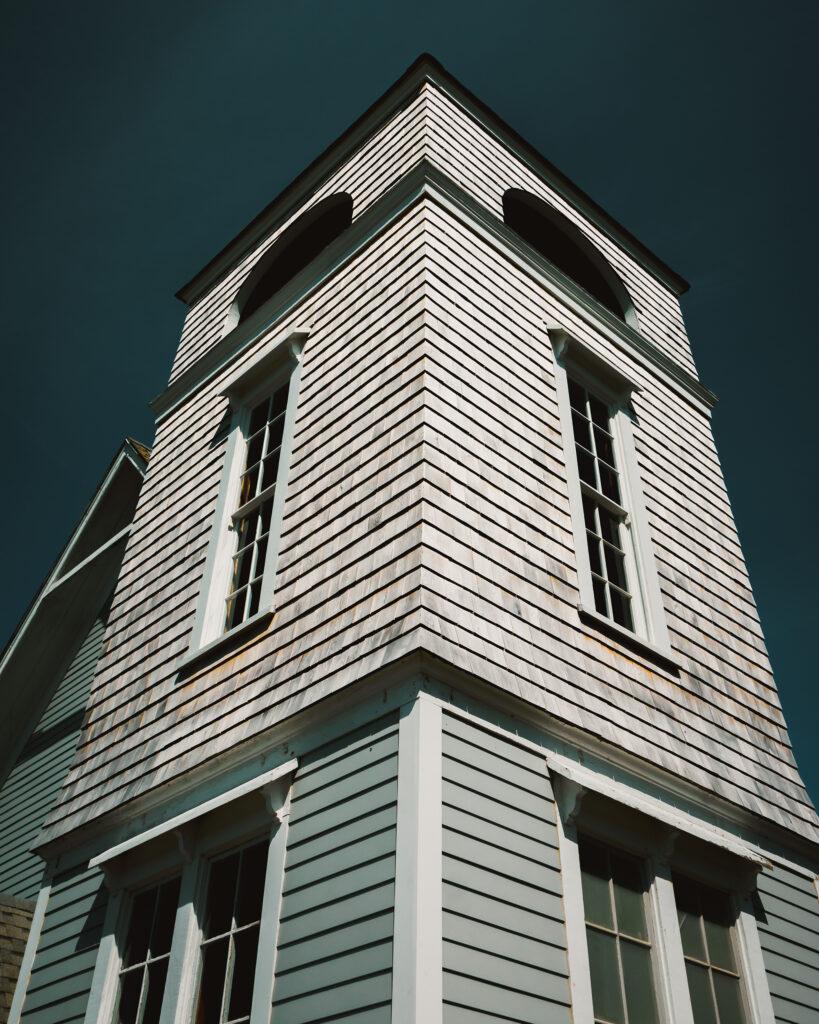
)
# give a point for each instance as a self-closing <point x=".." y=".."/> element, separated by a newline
<point x="433" y="689"/>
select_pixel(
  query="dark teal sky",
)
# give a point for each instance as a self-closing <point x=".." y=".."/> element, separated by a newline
<point x="139" y="137"/>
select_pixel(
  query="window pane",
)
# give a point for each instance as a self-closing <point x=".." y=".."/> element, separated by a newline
<point x="248" y="488"/>
<point x="729" y="999"/>
<point x="638" y="983"/>
<point x="271" y="468"/>
<point x="594" y="554"/>
<point x="139" y="927"/>
<point x="279" y="401"/>
<point x="595" y="876"/>
<point x="266" y="513"/>
<point x="577" y="397"/>
<point x="235" y="610"/>
<point x="221" y="890"/>
<point x="244" y="969"/>
<point x="717" y="918"/>
<point x="165" y="917"/>
<point x="255" y="598"/>
<point x="599" y="412"/>
<point x="585" y="466"/>
<point x="258" y="417"/>
<point x="212" y="982"/>
<point x="254" y="449"/>
<point x="130" y="988"/>
<point x="275" y="434"/>
<point x="605" y="976"/>
<point x="603" y="446"/>
<point x="157" y="973"/>
<point x="599" y="588"/>
<point x="582" y="430"/>
<point x="251" y="884"/>
<point x="628" y="896"/>
<point x="609" y="527"/>
<point x="620" y="608"/>
<point x="608" y="482"/>
<point x="699" y="987"/>
<point x="685" y="894"/>
<point x="615" y="566"/>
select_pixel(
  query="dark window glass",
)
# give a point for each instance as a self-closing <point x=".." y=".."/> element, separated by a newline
<point x="602" y="511"/>
<point x="253" y="517"/>
<point x="233" y="915"/>
<point x="147" y="951"/>
<point x="297" y="247"/>
<point x="706" y="922"/>
<point x="563" y="245"/>
<point x="614" y="896"/>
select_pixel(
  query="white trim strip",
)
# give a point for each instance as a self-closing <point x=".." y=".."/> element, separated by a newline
<point x="417" y="979"/>
<point x="30" y="952"/>
<point x="653" y="808"/>
<point x="195" y="812"/>
<point x="123" y="533"/>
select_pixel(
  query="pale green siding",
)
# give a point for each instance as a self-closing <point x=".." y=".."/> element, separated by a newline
<point x="34" y="782"/>
<point x="503" y="930"/>
<point x="335" y="940"/>
<point x="63" y="967"/>
<point x="788" y="922"/>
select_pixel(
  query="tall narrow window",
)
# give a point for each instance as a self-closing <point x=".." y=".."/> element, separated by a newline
<point x="603" y="511"/>
<point x="614" y="903"/>
<point x="147" y="951"/>
<point x="711" y="965"/>
<point x="251" y="521"/>
<point x="231" y="936"/>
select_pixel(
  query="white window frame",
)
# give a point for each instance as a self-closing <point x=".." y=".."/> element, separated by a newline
<point x="654" y="844"/>
<point x="575" y="360"/>
<point x="153" y="857"/>
<point x="277" y="363"/>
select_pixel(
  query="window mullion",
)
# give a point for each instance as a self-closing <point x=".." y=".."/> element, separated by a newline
<point x="183" y="961"/>
<point x="676" y="1000"/>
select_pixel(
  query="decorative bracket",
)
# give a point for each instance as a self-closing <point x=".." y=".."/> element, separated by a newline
<point x="112" y="873"/>
<point x="569" y="798"/>
<point x="185" y="837"/>
<point x="276" y="796"/>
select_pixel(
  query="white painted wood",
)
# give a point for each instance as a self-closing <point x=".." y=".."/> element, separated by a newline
<point x="20" y="988"/>
<point x="172" y="824"/>
<point x="654" y="808"/>
<point x="271" y="910"/>
<point x="183" y="963"/>
<point x="752" y="964"/>
<point x="673" y="986"/>
<point x="417" y="954"/>
<point x="576" y="946"/>
<point x="105" y="982"/>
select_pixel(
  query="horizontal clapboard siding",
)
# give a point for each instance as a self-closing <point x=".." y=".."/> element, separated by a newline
<point x="347" y="587"/>
<point x="63" y="967"/>
<point x="427" y="505"/>
<point x="500" y="584"/>
<point x="334" y="956"/>
<point x="504" y="941"/>
<point x="788" y="924"/>
<point x="33" y="785"/>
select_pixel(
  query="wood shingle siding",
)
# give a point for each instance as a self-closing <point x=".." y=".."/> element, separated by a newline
<point x="32" y="787"/>
<point x="335" y="938"/>
<point x="504" y="942"/>
<point x="788" y="923"/>
<point x="61" y="976"/>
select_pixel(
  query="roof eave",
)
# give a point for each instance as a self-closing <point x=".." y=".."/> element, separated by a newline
<point x="424" y="69"/>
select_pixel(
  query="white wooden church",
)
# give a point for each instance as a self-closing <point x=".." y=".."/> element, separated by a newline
<point x="433" y="689"/>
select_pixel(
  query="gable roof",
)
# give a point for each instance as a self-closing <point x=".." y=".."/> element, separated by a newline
<point x="68" y="601"/>
<point x="424" y="69"/>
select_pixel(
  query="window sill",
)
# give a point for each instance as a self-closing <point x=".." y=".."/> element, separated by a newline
<point x="662" y="656"/>
<point x="226" y="643"/>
